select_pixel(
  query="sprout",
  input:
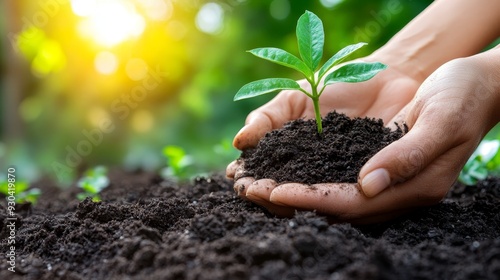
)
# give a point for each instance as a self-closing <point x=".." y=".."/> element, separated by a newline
<point x="311" y="38"/>
<point x="93" y="182"/>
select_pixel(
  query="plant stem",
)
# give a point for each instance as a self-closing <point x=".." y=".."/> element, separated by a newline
<point x="317" y="114"/>
<point x="315" y="100"/>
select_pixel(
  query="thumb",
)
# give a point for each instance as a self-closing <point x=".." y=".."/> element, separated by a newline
<point x="403" y="159"/>
<point x="257" y="125"/>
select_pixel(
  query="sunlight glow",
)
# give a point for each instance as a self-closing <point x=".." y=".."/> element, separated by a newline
<point x="330" y="3"/>
<point x="112" y="22"/>
<point x="106" y="63"/>
<point x="142" y="121"/>
<point x="83" y="8"/>
<point x="210" y="18"/>
<point x="177" y="30"/>
<point x="49" y="58"/>
<point x="136" y="69"/>
<point x="157" y="9"/>
<point x="97" y="115"/>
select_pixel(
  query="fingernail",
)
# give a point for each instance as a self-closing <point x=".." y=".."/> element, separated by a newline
<point x="375" y="182"/>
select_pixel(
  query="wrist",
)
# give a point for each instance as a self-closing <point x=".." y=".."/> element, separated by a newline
<point x="404" y="59"/>
<point x="488" y="76"/>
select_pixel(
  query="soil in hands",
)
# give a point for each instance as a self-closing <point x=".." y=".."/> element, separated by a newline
<point x="297" y="153"/>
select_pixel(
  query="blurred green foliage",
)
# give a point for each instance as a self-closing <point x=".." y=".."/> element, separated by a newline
<point x="93" y="182"/>
<point x="484" y="162"/>
<point x="72" y="116"/>
<point x="21" y="191"/>
<point x="178" y="163"/>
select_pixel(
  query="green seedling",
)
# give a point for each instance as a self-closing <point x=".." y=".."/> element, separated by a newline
<point x="311" y="39"/>
<point x="20" y="192"/>
<point x="484" y="162"/>
<point x="225" y="150"/>
<point x="178" y="162"/>
<point x="93" y="182"/>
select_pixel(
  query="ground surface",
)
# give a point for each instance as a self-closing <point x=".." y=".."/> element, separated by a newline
<point x="148" y="228"/>
<point x="297" y="153"/>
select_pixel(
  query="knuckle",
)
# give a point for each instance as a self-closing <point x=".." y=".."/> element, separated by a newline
<point x="409" y="163"/>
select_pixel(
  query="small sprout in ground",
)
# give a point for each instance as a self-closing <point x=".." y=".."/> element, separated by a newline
<point x="21" y="192"/>
<point x="178" y="163"/>
<point x="311" y="39"/>
<point x="484" y="162"/>
<point x="93" y="182"/>
<point x="225" y="150"/>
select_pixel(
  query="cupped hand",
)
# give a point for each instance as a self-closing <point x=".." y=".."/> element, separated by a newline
<point x="452" y="111"/>
<point x="381" y="97"/>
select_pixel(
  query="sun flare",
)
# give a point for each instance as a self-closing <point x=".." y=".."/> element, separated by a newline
<point x="109" y="22"/>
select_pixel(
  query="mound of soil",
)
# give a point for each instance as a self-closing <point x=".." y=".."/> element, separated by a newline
<point x="148" y="228"/>
<point x="297" y="153"/>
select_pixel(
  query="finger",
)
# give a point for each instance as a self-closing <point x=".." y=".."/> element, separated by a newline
<point x="431" y="136"/>
<point x="231" y="169"/>
<point x="340" y="202"/>
<point x="241" y="185"/>
<point x="259" y="193"/>
<point x="257" y="125"/>
<point x="287" y="105"/>
<point x="346" y="202"/>
<point x="399" y="120"/>
<point x="336" y="200"/>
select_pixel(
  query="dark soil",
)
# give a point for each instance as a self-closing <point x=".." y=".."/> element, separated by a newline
<point x="148" y="228"/>
<point x="298" y="153"/>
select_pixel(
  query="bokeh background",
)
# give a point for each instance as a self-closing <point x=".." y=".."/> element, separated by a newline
<point x="112" y="82"/>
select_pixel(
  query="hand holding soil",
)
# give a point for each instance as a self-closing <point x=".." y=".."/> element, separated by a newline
<point x="453" y="109"/>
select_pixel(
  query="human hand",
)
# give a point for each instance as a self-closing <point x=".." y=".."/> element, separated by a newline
<point x="452" y="111"/>
<point x="381" y="97"/>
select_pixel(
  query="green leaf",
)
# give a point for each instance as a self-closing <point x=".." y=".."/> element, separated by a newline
<point x="284" y="58"/>
<point x="21" y="186"/>
<point x="177" y="160"/>
<point x="97" y="171"/>
<point x="339" y="57"/>
<point x="95" y="180"/>
<point x="265" y="86"/>
<point x="311" y="39"/>
<point x="29" y="196"/>
<point x="174" y="155"/>
<point x="82" y="196"/>
<point x="355" y="72"/>
<point x="89" y="187"/>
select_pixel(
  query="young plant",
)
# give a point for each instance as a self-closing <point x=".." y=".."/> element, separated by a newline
<point x="225" y="151"/>
<point x="178" y="163"/>
<point x="485" y="161"/>
<point x="311" y="39"/>
<point x="93" y="182"/>
<point x="22" y="192"/>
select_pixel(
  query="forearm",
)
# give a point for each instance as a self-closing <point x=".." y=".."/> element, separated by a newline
<point x="447" y="29"/>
